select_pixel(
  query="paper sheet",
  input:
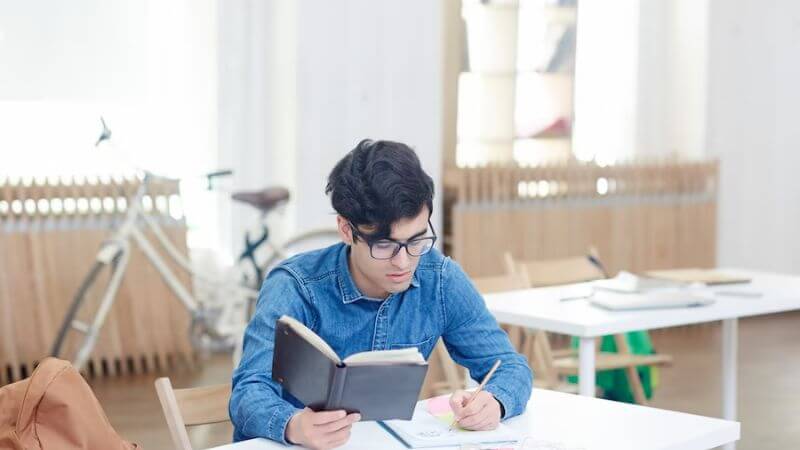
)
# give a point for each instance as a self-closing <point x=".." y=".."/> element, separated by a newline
<point x="430" y="427"/>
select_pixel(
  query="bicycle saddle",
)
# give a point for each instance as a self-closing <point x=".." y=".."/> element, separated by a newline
<point x="263" y="200"/>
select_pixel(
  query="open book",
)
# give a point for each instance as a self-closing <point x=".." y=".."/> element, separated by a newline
<point x="379" y="385"/>
<point x="430" y="427"/>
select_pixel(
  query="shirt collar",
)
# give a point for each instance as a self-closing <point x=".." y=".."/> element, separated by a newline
<point x="349" y="290"/>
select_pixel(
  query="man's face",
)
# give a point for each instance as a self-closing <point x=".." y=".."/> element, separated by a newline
<point x="378" y="278"/>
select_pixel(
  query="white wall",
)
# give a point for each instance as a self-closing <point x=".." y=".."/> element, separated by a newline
<point x="606" y="79"/>
<point x="671" y="91"/>
<point x="94" y="46"/>
<point x="715" y="78"/>
<point x="256" y="54"/>
<point x="366" y="69"/>
<point x="147" y="67"/>
<point x="311" y="78"/>
<point x="641" y="79"/>
<point x="754" y="105"/>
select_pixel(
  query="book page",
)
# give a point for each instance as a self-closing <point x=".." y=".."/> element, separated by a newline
<point x="402" y="356"/>
<point x="430" y="427"/>
<point x="311" y="337"/>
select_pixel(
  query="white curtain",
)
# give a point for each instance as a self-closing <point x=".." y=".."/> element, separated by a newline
<point x="302" y="81"/>
<point x="147" y="67"/>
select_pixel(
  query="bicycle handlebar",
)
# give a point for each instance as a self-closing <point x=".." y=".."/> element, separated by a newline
<point x="216" y="174"/>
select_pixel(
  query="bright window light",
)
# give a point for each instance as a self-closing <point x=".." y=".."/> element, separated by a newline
<point x="148" y="68"/>
<point x="606" y="80"/>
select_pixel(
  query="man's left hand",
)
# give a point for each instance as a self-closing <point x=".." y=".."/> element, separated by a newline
<point x="481" y="414"/>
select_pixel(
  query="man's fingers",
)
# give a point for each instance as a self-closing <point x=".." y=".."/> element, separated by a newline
<point x="457" y="401"/>
<point x="470" y="421"/>
<point x="332" y="427"/>
<point x="486" y="418"/>
<point x="475" y="417"/>
<point x="323" y="417"/>
<point x="337" y="425"/>
<point x="338" y="438"/>
<point x="488" y="423"/>
<point x="339" y="443"/>
<point x="476" y="405"/>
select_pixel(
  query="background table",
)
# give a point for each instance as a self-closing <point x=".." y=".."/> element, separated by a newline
<point x="541" y="308"/>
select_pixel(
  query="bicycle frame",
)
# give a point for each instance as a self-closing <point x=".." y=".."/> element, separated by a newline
<point x="115" y="252"/>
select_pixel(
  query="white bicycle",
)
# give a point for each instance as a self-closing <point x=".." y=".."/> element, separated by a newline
<point x="220" y="307"/>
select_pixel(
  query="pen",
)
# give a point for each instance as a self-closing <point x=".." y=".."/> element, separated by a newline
<point x="745" y="294"/>
<point x="596" y="262"/>
<point x="478" y="390"/>
<point x="577" y="297"/>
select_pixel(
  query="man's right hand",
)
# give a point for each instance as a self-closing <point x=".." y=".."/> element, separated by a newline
<point x="320" y="430"/>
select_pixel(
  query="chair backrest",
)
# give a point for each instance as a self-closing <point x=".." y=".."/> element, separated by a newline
<point x="191" y="406"/>
<point x="551" y="272"/>
<point x="453" y="378"/>
<point x="501" y="283"/>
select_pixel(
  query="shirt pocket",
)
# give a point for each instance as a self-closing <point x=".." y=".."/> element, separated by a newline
<point x="425" y="346"/>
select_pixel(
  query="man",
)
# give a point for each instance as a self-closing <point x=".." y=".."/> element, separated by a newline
<point x="383" y="287"/>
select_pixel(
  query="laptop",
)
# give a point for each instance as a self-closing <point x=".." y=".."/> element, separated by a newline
<point x="673" y="298"/>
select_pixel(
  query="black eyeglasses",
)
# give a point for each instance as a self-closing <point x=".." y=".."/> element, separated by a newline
<point x="389" y="248"/>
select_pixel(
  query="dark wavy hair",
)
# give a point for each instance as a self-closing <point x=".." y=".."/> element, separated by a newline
<point x="378" y="183"/>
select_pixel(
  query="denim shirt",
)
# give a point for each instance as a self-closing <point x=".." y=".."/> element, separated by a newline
<point x="317" y="289"/>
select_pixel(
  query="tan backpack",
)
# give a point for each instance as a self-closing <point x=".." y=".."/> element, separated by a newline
<point x="55" y="409"/>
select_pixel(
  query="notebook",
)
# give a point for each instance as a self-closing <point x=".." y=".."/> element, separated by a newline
<point x="630" y="283"/>
<point x="706" y="276"/>
<point x="379" y="385"/>
<point x="673" y="298"/>
<point x="429" y="427"/>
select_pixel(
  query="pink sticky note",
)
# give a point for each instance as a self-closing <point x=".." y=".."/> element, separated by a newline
<point x="439" y="405"/>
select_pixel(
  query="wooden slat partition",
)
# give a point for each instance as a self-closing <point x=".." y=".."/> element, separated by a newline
<point x="50" y="232"/>
<point x="640" y="215"/>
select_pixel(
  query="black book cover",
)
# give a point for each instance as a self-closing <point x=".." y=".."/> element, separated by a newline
<point x="376" y="391"/>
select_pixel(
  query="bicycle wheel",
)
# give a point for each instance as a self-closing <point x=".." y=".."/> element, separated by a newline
<point x="89" y="330"/>
<point x="77" y="301"/>
<point x="303" y="242"/>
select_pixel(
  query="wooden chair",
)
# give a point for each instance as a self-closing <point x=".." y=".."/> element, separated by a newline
<point x="551" y="365"/>
<point x="454" y="378"/>
<point x="192" y="406"/>
<point x="553" y="272"/>
<point x="509" y="282"/>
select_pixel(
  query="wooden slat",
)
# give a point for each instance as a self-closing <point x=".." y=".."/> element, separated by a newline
<point x="47" y="253"/>
<point x="606" y="361"/>
<point x="654" y="214"/>
<point x="204" y="405"/>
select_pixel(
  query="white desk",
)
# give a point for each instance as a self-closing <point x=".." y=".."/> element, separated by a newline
<point x="542" y="309"/>
<point x="580" y="422"/>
